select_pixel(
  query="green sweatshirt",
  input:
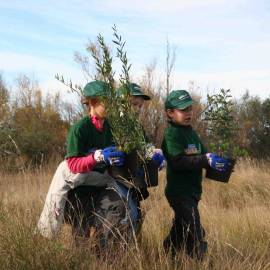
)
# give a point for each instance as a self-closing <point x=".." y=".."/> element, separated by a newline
<point x="184" y="152"/>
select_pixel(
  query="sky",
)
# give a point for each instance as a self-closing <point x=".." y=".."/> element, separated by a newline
<point x="219" y="43"/>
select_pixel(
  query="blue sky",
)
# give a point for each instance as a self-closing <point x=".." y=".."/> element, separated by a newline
<point x="220" y="43"/>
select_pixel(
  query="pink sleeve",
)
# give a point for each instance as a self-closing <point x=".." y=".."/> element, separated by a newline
<point x="81" y="164"/>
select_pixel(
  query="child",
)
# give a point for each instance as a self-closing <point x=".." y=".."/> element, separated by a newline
<point x="186" y="157"/>
<point x="89" y="151"/>
<point x="138" y="97"/>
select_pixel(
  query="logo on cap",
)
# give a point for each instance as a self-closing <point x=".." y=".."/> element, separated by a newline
<point x="183" y="97"/>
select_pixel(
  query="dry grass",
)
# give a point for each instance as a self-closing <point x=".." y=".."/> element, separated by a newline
<point x="236" y="217"/>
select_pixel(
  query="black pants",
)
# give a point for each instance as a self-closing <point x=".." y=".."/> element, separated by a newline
<point x="187" y="232"/>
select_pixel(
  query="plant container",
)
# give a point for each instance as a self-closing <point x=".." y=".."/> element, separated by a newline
<point x="221" y="176"/>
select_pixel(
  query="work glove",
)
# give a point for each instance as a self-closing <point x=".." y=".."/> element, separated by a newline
<point x="158" y="158"/>
<point x="216" y="162"/>
<point x="110" y="156"/>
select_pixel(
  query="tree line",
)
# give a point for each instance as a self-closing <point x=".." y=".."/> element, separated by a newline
<point x="33" y="127"/>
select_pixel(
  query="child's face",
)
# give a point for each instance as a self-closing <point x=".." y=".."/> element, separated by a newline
<point x="97" y="108"/>
<point x="181" y="117"/>
<point x="137" y="103"/>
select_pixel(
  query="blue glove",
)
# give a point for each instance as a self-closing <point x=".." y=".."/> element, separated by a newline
<point x="216" y="162"/>
<point x="111" y="156"/>
<point x="158" y="158"/>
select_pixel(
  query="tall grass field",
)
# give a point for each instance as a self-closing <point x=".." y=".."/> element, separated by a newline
<point x="236" y="217"/>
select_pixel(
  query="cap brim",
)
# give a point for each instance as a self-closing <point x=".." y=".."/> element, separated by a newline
<point x="185" y="105"/>
<point x="95" y="96"/>
<point x="145" y="97"/>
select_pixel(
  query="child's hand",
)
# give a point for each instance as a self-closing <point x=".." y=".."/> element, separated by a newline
<point x="216" y="162"/>
<point x="110" y="155"/>
<point x="159" y="158"/>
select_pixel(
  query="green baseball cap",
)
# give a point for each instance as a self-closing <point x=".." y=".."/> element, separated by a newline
<point x="95" y="89"/>
<point x="134" y="90"/>
<point x="178" y="99"/>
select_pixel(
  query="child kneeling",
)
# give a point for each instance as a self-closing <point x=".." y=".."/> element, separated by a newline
<point x="89" y="153"/>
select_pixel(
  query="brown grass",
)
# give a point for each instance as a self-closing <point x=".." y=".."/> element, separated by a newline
<point x="236" y="217"/>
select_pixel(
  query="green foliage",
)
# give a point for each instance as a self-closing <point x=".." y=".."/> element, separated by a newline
<point x="39" y="134"/>
<point x="126" y="129"/>
<point x="7" y="146"/>
<point x="222" y="125"/>
<point x="31" y="130"/>
<point x="4" y="99"/>
<point x="77" y="89"/>
<point x="254" y="121"/>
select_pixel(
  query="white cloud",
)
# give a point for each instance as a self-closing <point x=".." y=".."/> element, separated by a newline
<point x="155" y="8"/>
<point x="83" y="16"/>
<point x="256" y="81"/>
<point x="223" y="48"/>
<point x="16" y="62"/>
<point x="54" y="86"/>
<point x="42" y="69"/>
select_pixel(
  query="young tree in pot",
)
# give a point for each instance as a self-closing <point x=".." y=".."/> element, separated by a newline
<point x="126" y="129"/>
<point x="222" y="131"/>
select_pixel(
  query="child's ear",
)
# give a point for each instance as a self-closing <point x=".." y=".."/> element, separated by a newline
<point x="169" y="112"/>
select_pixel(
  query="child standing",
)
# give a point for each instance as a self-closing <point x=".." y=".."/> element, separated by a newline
<point x="186" y="157"/>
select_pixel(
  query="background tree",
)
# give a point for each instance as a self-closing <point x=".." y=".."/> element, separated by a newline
<point x="153" y="116"/>
<point x="254" y="122"/>
<point x="4" y="99"/>
<point x="170" y="61"/>
<point x="33" y="129"/>
<point x="222" y="126"/>
<point x="7" y="147"/>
